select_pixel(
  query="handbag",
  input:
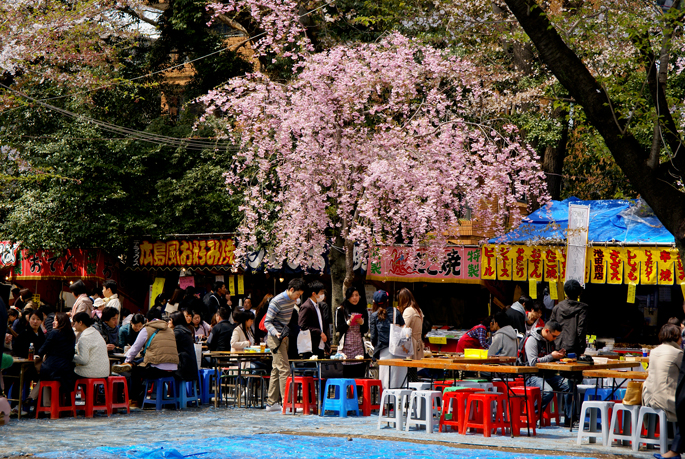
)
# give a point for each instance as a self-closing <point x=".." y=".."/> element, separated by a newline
<point x="304" y="341"/>
<point x="633" y="393"/>
<point x="400" y="343"/>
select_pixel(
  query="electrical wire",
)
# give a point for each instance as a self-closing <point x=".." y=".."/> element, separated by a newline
<point x="187" y="143"/>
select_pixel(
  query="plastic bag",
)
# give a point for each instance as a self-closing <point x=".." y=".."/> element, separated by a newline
<point x="304" y="341"/>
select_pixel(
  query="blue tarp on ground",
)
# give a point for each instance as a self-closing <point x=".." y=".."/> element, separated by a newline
<point x="290" y="446"/>
<point x="631" y="222"/>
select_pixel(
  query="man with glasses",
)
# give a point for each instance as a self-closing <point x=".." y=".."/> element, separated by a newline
<point x="538" y="347"/>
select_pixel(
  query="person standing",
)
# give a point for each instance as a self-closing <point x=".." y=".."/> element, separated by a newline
<point x="109" y="290"/>
<point x="383" y="316"/>
<point x="517" y="314"/>
<point x="352" y="321"/>
<point x="216" y="298"/>
<point x="571" y="314"/>
<point x="312" y="320"/>
<point x="413" y="318"/>
<point x="83" y="302"/>
<point x="276" y="322"/>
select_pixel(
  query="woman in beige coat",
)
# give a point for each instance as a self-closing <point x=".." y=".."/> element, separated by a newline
<point x="413" y="318"/>
<point x="659" y="389"/>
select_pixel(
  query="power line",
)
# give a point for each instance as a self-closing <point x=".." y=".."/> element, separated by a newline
<point x="187" y="143"/>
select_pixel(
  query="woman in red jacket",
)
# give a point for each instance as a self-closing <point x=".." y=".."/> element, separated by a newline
<point x="476" y="338"/>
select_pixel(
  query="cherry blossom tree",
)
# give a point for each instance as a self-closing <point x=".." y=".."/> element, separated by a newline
<point x="66" y="43"/>
<point x="368" y="144"/>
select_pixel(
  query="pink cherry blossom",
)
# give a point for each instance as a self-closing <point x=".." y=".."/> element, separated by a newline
<point x="379" y="143"/>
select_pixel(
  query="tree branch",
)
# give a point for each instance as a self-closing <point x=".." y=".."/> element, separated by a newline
<point x="137" y="15"/>
<point x="233" y="24"/>
<point x="667" y="202"/>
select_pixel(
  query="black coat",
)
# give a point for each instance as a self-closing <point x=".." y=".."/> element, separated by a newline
<point x="220" y="337"/>
<point x="294" y="330"/>
<point x="380" y="329"/>
<point x="187" y="361"/>
<point x="573" y="317"/>
<point x="20" y="347"/>
<point x="213" y="302"/>
<point x="309" y="320"/>
<point x="58" y="359"/>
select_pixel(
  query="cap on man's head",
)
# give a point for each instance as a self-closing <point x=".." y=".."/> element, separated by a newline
<point x="381" y="296"/>
<point x="99" y="302"/>
<point x="573" y="289"/>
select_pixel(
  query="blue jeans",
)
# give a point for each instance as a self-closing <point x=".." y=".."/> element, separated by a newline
<point x="558" y="384"/>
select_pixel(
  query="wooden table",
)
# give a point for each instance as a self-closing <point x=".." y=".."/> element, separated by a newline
<point x="633" y="375"/>
<point x="317" y="363"/>
<point x="455" y="359"/>
<point x="446" y="364"/>
<point x="24" y="364"/>
<point x="580" y="367"/>
<point x="220" y="358"/>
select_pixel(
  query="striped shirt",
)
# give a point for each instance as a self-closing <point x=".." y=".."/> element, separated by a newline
<point x="279" y="313"/>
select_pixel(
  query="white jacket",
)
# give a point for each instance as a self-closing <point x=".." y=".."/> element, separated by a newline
<point x="91" y="357"/>
<point x="659" y="389"/>
<point x="113" y="302"/>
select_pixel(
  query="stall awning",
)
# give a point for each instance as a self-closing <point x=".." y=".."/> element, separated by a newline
<point x="627" y="244"/>
<point x="72" y="264"/>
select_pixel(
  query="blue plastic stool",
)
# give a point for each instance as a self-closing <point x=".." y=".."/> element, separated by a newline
<point x="206" y="376"/>
<point x="188" y="392"/>
<point x="161" y="388"/>
<point x="601" y="395"/>
<point x="340" y="401"/>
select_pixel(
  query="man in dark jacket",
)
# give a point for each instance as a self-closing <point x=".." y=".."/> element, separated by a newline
<point x="517" y="314"/>
<point x="216" y="299"/>
<point x="220" y="336"/>
<point x="571" y="314"/>
<point x="310" y="318"/>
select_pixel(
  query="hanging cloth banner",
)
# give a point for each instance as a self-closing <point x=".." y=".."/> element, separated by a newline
<point x="614" y="256"/>
<point x="632" y="267"/>
<point x="666" y="262"/>
<point x="520" y="263"/>
<point x="504" y="263"/>
<point x="598" y="270"/>
<point x="576" y="242"/>
<point x="606" y="265"/>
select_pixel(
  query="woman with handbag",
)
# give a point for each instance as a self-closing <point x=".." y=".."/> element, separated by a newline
<point x="382" y="318"/>
<point x="352" y="322"/>
<point x="659" y="390"/>
<point x="413" y="319"/>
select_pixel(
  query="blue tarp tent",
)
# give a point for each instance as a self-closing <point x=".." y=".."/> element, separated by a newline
<point x="629" y="222"/>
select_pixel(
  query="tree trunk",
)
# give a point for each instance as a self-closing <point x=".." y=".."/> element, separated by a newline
<point x="337" y="260"/>
<point x="655" y="185"/>
<point x="553" y="161"/>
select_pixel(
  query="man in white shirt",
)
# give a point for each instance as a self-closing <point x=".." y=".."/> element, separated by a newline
<point x="109" y="291"/>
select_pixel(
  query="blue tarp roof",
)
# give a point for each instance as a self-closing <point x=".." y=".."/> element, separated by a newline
<point x="630" y="222"/>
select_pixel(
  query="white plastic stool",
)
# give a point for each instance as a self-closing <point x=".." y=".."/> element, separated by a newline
<point x="591" y="408"/>
<point x="399" y="397"/>
<point x="622" y="410"/>
<point x="662" y="441"/>
<point x="428" y="402"/>
<point x="420" y="386"/>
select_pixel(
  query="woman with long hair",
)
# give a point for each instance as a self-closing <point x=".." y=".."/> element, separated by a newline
<point x="175" y="301"/>
<point x="382" y="317"/>
<point x="413" y="318"/>
<point x="352" y="322"/>
<point x="259" y="313"/>
<point x="185" y="340"/>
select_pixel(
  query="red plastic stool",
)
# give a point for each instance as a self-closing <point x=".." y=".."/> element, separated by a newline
<point x="58" y="402"/>
<point x="534" y="395"/>
<point x="90" y="395"/>
<point x="306" y="383"/>
<point x="441" y="385"/>
<point x="552" y="412"/>
<point x="366" y="392"/>
<point x="485" y="422"/>
<point x="115" y="395"/>
<point x="452" y="406"/>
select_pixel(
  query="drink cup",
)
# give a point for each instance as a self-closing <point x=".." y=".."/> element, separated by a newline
<point x="262" y="347"/>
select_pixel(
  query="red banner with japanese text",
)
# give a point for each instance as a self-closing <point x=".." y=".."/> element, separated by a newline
<point x="72" y="264"/>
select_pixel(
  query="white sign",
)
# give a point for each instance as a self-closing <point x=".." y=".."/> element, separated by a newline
<point x="576" y="242"/>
